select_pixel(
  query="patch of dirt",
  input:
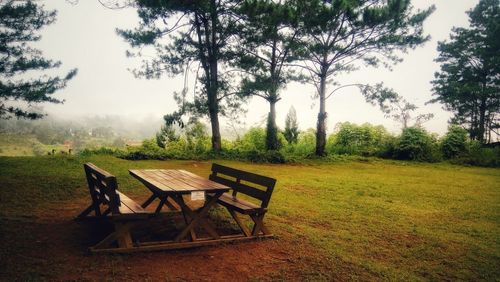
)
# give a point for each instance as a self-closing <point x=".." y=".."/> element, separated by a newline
<point x="54" y="247"/>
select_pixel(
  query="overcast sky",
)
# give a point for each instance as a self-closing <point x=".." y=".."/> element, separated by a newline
<point x="84" y="37"/>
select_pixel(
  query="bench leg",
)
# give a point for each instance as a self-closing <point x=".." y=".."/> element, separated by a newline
<point x="124" y="238"/>
<point x="121" y="236"/>
<point x="241" y="224"/>
<point x="86" y="211"/>
<point x="259" y="224"/>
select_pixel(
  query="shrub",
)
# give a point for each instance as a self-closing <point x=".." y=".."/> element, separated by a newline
<point x="266" y="157"/>
<point x="305" y="146"/>
<point x="416" y="144"/>
<point x="352" y="139"/>
<point x="454" y="143"/>
<point x="479" y="156"/>
<point x="148" y="150"/>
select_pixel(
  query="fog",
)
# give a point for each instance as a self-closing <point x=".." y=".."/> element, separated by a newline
<point x="84" y="37"/>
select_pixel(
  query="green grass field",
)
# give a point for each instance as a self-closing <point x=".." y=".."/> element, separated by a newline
<point x="376" y="219"/>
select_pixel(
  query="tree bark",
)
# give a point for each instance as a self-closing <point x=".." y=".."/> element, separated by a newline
<point x="482" y="120"/>
<point x="272" y="129"/>
<point x="213" y="102"/>
<point x="321" y="126"/>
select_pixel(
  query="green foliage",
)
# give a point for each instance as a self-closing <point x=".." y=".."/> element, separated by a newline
<point x="339" y="35"/>
<point x="149" y="150"/>
<point x="351" y="142"/>
<point x="416" y="144"/>
<point x="20" y="24"/>
<point x="253" y="140"/>
<point x="468" y="82"/>
<point x="291" y="132"/>
<point x="352" y="139"/>
<point x="454" y="143"/>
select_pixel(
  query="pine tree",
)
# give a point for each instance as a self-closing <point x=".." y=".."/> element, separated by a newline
<point x="338" y="34"/>
<point x="469" y="80"/>
<point x="291" y="126"/>
<point x="20" y="23"/>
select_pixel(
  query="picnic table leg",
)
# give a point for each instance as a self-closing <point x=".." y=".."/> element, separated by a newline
<point x="197" y="217"/>
<point x="192" y="232"/>
<point x="209" y="227"/>
<point x="160" y="205"/>
<point x="149" y="201"/>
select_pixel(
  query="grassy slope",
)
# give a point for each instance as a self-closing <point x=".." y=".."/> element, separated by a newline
<point x="376" y="219"/>
<point x="13" y="145"/>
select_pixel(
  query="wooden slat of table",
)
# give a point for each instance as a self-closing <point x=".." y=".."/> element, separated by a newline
<point x="142" y="174"/>
<point x="200" y="181"/>
<point x="176" y="180"/>
<point x="164" y="177"/>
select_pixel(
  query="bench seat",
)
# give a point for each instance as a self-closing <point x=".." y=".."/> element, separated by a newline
<point x="239" y="205"/>
<point x="129" y="208"/>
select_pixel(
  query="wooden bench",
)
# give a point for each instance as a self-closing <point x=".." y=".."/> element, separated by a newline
<point x="109" y="203"/>
<point x="255" y="186"/>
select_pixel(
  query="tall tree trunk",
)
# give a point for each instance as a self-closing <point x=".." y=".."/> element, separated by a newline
<point x="272" y="129"/>
<point x="482" y="120"/>
<point x="213" y="102"/>
<point x="321" y="126"/>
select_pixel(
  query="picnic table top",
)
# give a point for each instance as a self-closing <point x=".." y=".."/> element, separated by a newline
<point x="176" y="181"/>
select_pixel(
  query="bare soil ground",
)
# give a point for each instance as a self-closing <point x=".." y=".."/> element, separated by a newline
<point x="54" y="247"/>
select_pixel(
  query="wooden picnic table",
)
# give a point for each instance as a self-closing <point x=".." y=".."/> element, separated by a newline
<point x="174" y="184"/>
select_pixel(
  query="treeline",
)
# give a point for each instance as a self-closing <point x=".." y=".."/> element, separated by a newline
<point x="414" y="143"/>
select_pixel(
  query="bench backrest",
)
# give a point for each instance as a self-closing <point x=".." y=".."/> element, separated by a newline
<point x="102" y="187"/>
<point x="254" y="185"/>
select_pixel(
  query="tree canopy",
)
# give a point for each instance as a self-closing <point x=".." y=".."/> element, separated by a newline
<point x="20" y="23"/>
<point x="198" y="34"/>
<point x="339" y="34"/>
<point x="468" y="82"/>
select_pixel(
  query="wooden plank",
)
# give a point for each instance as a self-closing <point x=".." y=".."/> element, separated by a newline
<point x="241" y="188"/>
<point x="209" y="183"/>
<point x="170" y="245"/>
<point x="199" y="182"/>
<point x="241" y="206"/>
<point x="244" y="175"/>
<point x="131" y="204"/>
<point x="145" y="178"/>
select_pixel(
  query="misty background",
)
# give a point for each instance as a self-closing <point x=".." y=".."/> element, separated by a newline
<point x="106" y="94"/>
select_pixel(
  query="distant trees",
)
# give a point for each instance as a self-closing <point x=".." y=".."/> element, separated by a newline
<point x="291" y="132"/>
<point x="468" y="83"/>
<point x="20" y="22"/>
<point x="338" y="34"/>
<point x="402" y="112"/>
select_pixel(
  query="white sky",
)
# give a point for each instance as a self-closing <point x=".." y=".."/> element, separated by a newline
<point x="84" y="37"/>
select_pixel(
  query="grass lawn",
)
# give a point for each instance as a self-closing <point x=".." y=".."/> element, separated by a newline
<point x="348" y="220"/>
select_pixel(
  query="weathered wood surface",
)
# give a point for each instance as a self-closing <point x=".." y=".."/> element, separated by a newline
<point x="250" y="184"/>
<point x="171" y="181"/>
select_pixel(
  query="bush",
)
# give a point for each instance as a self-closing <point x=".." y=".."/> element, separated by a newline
<point x="479" y="156"/>
<point x="454" y="143"/>
<point x="416" y="144"/>
<point x="99" y="151"/>
<point x="148" y="150"/>
<point x="304" y="148"/>
<point x="266" y="157"/>
<point x="352" y="139"/>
